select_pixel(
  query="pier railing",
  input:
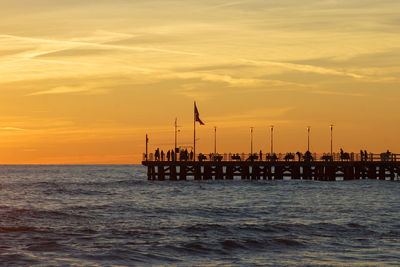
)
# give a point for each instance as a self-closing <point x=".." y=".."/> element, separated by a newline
<point x="370" y="157"/>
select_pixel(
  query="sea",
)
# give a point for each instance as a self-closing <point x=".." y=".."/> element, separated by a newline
<point x="111" y="215"/>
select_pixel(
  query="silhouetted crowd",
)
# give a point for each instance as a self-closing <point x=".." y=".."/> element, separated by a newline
<point x="171" y="155"/>
<point x="185" y="155"/>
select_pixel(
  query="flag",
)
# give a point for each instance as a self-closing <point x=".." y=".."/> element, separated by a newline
<point x="196" y="115"/>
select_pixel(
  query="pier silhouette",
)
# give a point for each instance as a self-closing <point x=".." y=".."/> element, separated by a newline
<point x="182" y="164"/>
<point x="304" y="166"/>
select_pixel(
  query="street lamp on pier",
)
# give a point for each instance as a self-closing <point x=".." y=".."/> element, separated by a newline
<point x="251" y="140"/>
<point x="176" y="134"/>
<point x="272" y="139"/>
<point x="308" y="138"/>
<point x="331" y="127"/>
<point x="215" y="139"/>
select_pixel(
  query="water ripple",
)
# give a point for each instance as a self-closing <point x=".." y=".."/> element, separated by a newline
<point x="111" y="215"/>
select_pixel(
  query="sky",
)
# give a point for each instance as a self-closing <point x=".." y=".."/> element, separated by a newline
<point x="83" y="81"/>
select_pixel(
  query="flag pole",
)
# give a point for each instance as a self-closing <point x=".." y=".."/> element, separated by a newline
<point x="176" y="129"/>
<point x="194" y="131"/>
<point x="147" y="142"/>
<point x="215" y="140"/>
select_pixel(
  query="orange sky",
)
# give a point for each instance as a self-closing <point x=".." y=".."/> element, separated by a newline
<point x="83" y="81"/>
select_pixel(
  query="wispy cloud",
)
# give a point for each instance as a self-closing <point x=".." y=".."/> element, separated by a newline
<point x="65" y="44"/>
<point x="61" y="90"/>
<point x="304" y="68"/>
<point x="230" y="80"/>
<point x="228" y="4"/>
<point x="11" y="129"/>
<point x="254" y="114"/>
<point x="338" y="93"/>
<point x="212" y="77"/>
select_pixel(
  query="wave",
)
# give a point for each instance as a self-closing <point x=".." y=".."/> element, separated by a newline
<point x="207" y="227"/>
<point x="99" y="215"/>
<point x="15" y="215"/>
<point x="17" y="229"/>
<point x="46" y="246"/>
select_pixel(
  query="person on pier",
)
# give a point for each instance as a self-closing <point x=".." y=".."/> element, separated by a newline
<point x="168" y="155"/>
<point x="202" y="157"/>
<point x="308" y="156"/>
<point x="162" y="155"/>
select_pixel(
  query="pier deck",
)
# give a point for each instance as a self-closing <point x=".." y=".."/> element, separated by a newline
<point x="272" y="170"/>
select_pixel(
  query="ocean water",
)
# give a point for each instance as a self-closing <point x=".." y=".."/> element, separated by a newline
<point x="111" y="215"/>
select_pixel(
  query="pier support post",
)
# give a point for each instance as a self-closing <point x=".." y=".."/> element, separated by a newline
<point x="382" y="172"/>
<point x="229" y="172"/>
<point x="270" y="172"/>
<point x="197" y="172"/>
<point x="315" y="172"/>
<point x="391" y="172"/>
<point x="371" y="171"/>
<point x="395" y="173"/>
<point x="330" y="173"/>
<point x="207" y="173"/>
<point x="161" y="175"/>
<point x="255" y="174"/>
<point x="306" y="172"/>
<point x="149" y="173"/>
<point x="348" y="173"/>
<point x="357" y="172"/>
<point x="365" y="172"/>
<point x="182" y="173"/>
<point x="295" y="172"/>
<point x="267" y="172"/>
<point x="219" y="172"/>
<point x="172" y="172"/>
<point x="245" y="172"/>
<point x="278" y="175"/>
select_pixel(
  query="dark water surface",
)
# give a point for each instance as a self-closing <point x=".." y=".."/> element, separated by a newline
<point x="111" y="215"/>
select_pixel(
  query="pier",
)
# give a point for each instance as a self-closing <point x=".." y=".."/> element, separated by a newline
<point x="180" y="165"/>
<point x="276" y="167"/>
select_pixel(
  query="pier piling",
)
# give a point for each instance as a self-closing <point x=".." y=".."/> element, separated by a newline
<point x="272" y="170"/>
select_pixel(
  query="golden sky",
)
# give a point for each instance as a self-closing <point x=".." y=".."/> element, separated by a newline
<point x="82" y="81"/>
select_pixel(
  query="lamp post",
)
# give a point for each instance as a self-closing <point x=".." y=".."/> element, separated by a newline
<point x="215" y="139"/>
<point x="308" y="138"/>
<point x="331" y="126"/>
<point x="251" y="140"/>
<point x="176" y="133"/>
<point x="147" y="144"/>
<point x="272" y="139"/>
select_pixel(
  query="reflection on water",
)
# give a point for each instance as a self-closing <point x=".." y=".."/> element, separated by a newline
<point x="88" y="215"/>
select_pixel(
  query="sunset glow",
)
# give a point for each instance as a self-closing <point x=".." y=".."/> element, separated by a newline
<point x="84" y="81"/>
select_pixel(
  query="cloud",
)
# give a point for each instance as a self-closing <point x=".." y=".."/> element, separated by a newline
<point x="211" y="77"/>
<point x="323" y="92"/>
<point x="61" y="90"/>
<point x="304" y="68"/>
<point x="11" y="129"/>
<point x="78" y="52"/>
<point x="252" y="115"/>
<point x="65" y="44"/>
<point x="228" y="4"/>
<point x="225" y="78"/>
